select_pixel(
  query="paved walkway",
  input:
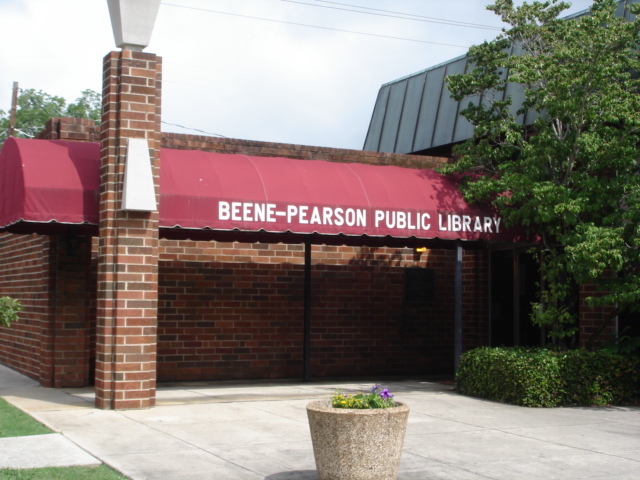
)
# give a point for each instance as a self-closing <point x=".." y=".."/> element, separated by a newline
<point x="259" y="431"/>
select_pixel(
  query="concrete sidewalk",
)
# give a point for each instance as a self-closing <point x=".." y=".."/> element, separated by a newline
<point x="259" y="430"/>
<point x="37" y="451"/>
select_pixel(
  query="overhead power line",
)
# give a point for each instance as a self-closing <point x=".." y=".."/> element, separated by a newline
<point x="392" y="14"/>
<point x="36" y="102"/>
<point x="194" y="129"/>
<point x="316" y="26"/>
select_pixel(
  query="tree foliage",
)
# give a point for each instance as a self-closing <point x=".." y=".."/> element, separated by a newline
<point x="35" y="108"/>
<point x="87" y="105"/>
<point x="572" y="176"/>
<point x="9" y="309"/>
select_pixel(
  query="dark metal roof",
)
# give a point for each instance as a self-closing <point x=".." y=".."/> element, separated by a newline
<point x="416" y="113"/>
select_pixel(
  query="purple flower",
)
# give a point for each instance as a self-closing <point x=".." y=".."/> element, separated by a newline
<point x="385" y="394"/>
<point x="375" y="389"/>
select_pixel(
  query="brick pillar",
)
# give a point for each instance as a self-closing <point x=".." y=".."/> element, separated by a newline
<point x="128" y="242"/>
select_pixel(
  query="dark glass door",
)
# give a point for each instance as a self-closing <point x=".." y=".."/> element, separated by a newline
<point x="513" y="288"/>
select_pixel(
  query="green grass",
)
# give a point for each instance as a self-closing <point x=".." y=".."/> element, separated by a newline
<point x="62" y="473"/>
<point x="15" y="423"/>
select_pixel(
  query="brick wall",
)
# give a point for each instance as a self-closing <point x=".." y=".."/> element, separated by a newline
<point x="72" y="309"/>
<point x="475" y="292"/>
<point x="82" y="129"/>
<point x="303" y="152"/>
<point x="26" y="277"/>
<point x="65" y="128"/>
<point x="51" y="276"/>
<point x="364" y="325"/>
<point x="234" y="311"/>
<point x="591" y="319"/>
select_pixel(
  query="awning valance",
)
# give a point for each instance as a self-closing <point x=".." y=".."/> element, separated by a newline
<point x="46" y="181"/>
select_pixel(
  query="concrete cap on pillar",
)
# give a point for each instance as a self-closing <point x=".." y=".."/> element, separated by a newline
<point x="132" y="22"/>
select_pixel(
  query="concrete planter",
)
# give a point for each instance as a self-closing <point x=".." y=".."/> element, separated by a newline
<point x="353" y="444"/>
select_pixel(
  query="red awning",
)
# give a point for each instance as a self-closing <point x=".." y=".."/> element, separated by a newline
<point x="49" y="181"/>
<point x="57" y="181"/>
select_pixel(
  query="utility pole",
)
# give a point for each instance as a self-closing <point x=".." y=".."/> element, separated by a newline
<point x="14" y="107"/>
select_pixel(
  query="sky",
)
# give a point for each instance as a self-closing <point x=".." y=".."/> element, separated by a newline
<point x="301" y="72"/>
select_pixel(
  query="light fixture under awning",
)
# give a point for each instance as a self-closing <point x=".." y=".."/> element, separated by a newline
<point x="58" y="181"/>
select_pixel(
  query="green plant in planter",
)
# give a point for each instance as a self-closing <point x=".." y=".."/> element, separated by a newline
<point x="358" y="436"/>
<point x="9" y="308"/>
<point x="378" y="398"/>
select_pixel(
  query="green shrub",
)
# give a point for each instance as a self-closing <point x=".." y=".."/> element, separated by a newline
<point x="544" y="378"/>
<point x="511" y="375"/>
<point x="9" y="308"/>
<point x="599" y="378"/>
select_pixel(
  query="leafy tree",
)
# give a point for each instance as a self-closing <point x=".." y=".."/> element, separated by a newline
<point x="35" y="108"/>
<point x="87" y="105"/>
<point x="572" y="177"/>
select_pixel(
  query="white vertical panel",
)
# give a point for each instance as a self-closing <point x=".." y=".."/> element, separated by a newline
<point x="138" y="192"/>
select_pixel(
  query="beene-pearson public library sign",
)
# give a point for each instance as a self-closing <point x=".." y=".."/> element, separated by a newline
<point x="279" y="195"/>
<point x="57" y="182"/>
<point x="353" y="221"/>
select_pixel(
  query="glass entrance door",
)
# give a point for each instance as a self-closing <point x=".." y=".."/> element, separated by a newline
<point x="514" y="279"/>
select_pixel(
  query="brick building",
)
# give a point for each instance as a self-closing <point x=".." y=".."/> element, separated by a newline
<point x="231" y="304"/>
<point x="142" y="257"/>
<point x="185" y="304"/>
